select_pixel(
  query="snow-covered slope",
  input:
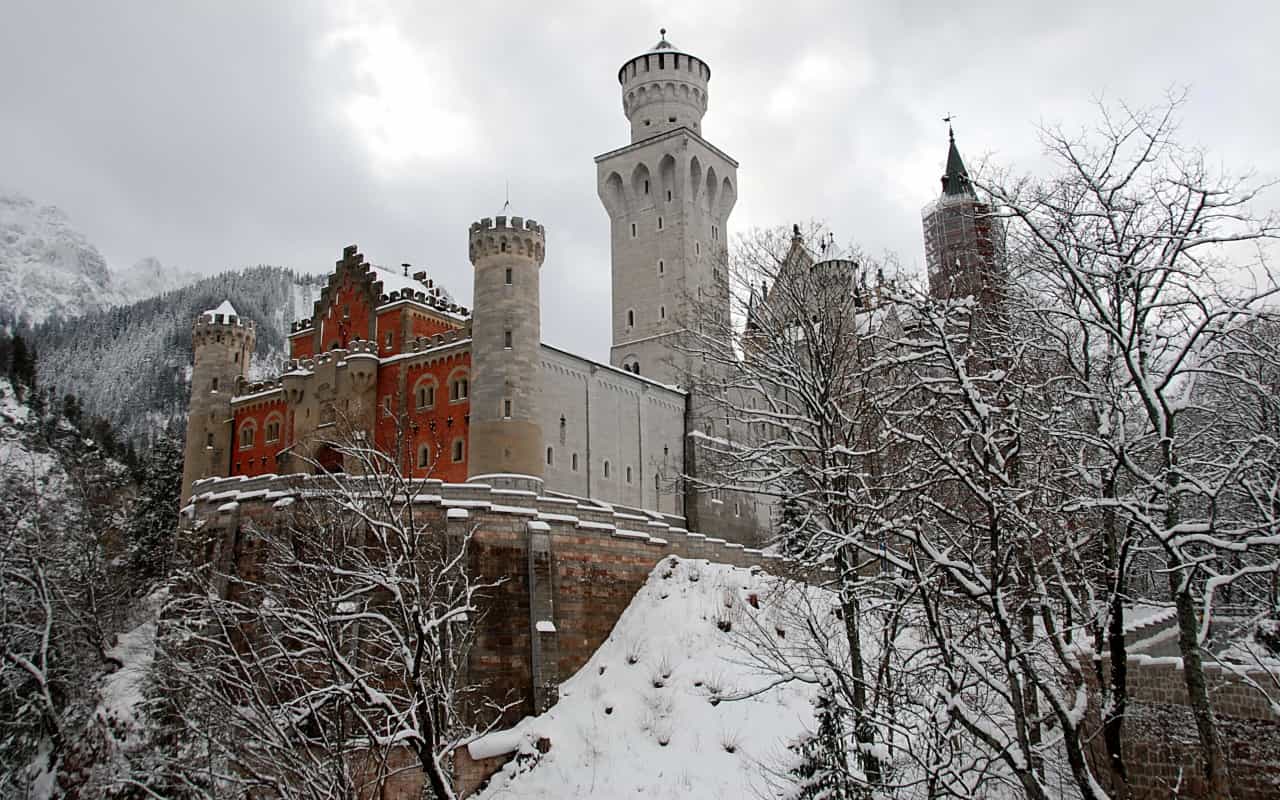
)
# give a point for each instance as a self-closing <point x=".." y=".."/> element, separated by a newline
<point x="47" y="267"/>
<point x="652" y="713"/>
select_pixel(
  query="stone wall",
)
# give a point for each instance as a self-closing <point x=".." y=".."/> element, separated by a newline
<point x="1161" y="750"/>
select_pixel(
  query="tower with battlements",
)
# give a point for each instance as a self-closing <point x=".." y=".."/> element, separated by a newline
<point x="506" y="341"/>
<point x="221" y="344"/>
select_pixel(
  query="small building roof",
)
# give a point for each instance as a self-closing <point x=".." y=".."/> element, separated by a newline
<point x="226" y="310"/>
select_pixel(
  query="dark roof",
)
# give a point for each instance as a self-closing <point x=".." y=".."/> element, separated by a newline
<point x="955" y="181"/>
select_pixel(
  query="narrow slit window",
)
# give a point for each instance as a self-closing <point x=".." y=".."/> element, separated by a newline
<point x="506" y="339"/>
<point x="508" y="276"/>
<point x="506" y="408"/>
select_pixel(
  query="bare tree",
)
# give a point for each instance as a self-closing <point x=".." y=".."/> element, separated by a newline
<point x="1147" y="258"/>
<point x="333" y="643"/>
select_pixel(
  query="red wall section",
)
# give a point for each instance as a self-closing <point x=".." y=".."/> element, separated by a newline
<point x="336" y="326"/>
<point x="389" y="322"/>
<point x="384" y="428"/>
<point x="303" y="346"/>
<point x="422" y="325"/>
<point x="261" y="458"/>
<point x="439" y="425"/>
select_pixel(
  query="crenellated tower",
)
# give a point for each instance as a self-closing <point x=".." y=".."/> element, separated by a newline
<point x="506" y="330"/>
<point x="222" y="343"/>
<point x="669" y="195"/>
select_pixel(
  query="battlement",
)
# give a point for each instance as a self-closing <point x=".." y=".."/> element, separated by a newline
<point x="495" y="236"/>
<point x="211" y="322"/>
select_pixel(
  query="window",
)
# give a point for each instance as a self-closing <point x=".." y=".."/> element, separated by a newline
<point x="697" y="248"/>
<point x="659" y="223"/>
<point x="273" y="430"/>
<point x="508" y="276"/>
<point x="628" y="474"/>
<point x="550" y="456"/>
<point x="633" y="230"/>
<point x="662" y="267"/>
<point x="631" y="318"/>
<point x="208" y="441"/>
<point x="247" y="435"/>
<point x="671" y="119"/>
<point x="213" y="385"/>
<point x="662" y="312"/>
<point x="715" y="232"/>
<point x="424" y="456"/>
<point x="506" y="408"/>
<point x="646" y="187"/>
<point x="236" y="358"/>
<point x="606" y="467"/>
<point x="389" y="339"/>
<point x="506" y="339"/>
<point x="426" y="394"/>
<point x="504" y="245"/>
<point x="573" y="462"/>
<point x="459" y="450"/>
<point x="668" y="195"/>
<point x="458" y="389"/>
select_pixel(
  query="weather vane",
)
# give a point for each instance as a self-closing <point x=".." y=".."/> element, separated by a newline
<point x="947" y="119"/>
<point x="507" y="204"/>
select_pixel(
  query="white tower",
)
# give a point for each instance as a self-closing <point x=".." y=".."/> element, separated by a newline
<point x="669" y="194"/>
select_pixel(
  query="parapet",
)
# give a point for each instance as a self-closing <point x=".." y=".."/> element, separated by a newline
<point x="210" y="328"/>
<point x="495" y="236"/>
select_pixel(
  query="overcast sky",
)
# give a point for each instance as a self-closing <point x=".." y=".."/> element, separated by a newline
<point x="217" y="135"/>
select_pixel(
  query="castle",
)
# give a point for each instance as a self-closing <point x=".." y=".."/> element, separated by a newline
<point x="459" y="394"/>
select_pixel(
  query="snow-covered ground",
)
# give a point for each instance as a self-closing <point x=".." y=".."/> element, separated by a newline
<point x="651" y="714"/>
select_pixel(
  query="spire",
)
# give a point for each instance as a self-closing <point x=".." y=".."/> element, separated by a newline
<point x="955" y="182"/>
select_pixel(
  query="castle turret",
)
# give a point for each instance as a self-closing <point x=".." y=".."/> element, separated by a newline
<point x="963" y="238"/>
<point x="222" y="343"/>
<point x="506" y="328"/>
<point x="669" y="195"/>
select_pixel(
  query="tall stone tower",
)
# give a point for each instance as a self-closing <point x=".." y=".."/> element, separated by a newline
<point x="506" y="336"/>
<point x="669" y="194"/>
<point x="222" y="344"/>
<point x="963" y="241"/>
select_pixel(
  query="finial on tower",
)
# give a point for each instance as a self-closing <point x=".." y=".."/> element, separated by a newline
<point x="950" y="131"/>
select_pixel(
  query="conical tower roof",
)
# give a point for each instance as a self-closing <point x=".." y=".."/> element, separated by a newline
<point x="955" y="181"/>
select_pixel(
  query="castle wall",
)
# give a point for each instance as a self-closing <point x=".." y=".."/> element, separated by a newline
<point x="614" y="416"/>
<point x="259" y="458"/>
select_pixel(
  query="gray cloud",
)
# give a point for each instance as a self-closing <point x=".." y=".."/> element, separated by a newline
<point x="218" y="135"/>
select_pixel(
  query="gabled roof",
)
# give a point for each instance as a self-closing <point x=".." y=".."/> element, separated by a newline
<point x="955" y="181"/>
<point x="226" y="310"/>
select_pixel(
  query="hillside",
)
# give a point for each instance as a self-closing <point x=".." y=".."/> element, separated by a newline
<point x="131" y="363"/>
<point x="672" y="705"/>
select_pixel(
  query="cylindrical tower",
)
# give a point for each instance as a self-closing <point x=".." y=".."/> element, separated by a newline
<point x="221" y="344"/>
<point x="663" y="89"/>
<point x="506" y="336"/>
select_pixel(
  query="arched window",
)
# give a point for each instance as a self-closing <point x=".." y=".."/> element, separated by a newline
<point x="248" y="432"/>
<point x="425" y="392"/>
<point x="631" y="318"/>
<point x="273" y="428"/>
<point x="459" y="388"/>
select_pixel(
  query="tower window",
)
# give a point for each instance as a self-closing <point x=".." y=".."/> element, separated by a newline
<point x="659" y="223"/>
<point x="213" y="384"/>
<point x="662" y="312"/>
<point x="235" y="358"/>
<point x="550" y="456"/>
<point x="573" y="462"/>
<point x="662" y="267"/>
<point x="506" y="408"/>
<point x="628" y="474"/>
<point x="633" y="230"/>
<point x="506" y="339"/>
<point x="503" y="247"/>
<point x="715" y="232"/>
<point x="508" y="276"/>
<point x="208" y="440"/>
<point x="671" y="119"/>
<point x="646" y="187"/>
<point x="606" y="467"/>
<point x="668" y="195"/>
<point x="459" y="450"/>
<point x="631" y="318"/>
<point x="697" y="248"/>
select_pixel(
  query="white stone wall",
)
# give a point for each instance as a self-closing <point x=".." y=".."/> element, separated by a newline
<point x="611" y="415"/>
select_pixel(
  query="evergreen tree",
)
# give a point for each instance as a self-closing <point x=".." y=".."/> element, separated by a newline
<point x="155" y="514"/>
<point x="823" y="769"/>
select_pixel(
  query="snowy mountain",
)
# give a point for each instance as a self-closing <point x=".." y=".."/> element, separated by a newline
<point x="131" y="363"/>
<point x="148" y="278"/>
<point x="47" y="267"/>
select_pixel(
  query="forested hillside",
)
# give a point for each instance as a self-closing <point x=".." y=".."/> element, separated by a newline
<point x="131" y="363"/>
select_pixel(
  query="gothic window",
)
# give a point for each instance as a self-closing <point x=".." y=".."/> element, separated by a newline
<point x="426" y="393"/>
<point x="248" y="433"/>
<point x="458" y="388"/>
<point x="273" y="429"/>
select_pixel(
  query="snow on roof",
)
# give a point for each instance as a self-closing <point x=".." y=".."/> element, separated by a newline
<point x="226" y="310"/>
<point x="397" y="281"/>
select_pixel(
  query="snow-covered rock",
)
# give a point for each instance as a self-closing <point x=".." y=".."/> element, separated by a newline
<point x="661" y="709"/>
